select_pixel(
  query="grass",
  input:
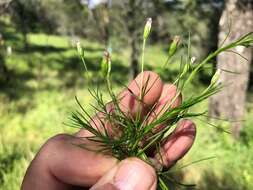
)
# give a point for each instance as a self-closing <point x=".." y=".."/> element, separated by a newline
<point x="50" y="73"/>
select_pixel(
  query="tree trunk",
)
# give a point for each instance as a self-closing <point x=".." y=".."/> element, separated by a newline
<point x="230" y="102"/>
<point x="106" y="23"/>
<point x="3" y="70"/>
<point x="214" y="33"/>
<point x="101" y="17"/>
<point x="25" y="40"/>
<point x="134" y="34"/>
<point x="250" y="88"/>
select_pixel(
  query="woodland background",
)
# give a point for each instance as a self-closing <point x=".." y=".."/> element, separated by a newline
<point x="40" y="73"/>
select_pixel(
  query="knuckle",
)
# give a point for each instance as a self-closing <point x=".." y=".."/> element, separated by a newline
<point x="48" y="151"/>
<point x="55" y="139"/>
<point x="52" y="144"/>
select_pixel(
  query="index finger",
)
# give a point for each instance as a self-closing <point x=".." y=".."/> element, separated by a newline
<point x="129" y="102"/>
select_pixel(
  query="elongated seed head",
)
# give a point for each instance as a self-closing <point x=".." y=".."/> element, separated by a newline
<point x="79" y="49"/>
<point x="147" y="28"/>
<point x="174" y="46"/>
<point x="106" y="64"/>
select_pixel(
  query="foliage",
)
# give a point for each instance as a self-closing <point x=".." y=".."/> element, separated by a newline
<point x="30" y="16"/>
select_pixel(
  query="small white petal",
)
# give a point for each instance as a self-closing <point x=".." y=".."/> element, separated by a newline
<point x="239" y="49"/>
<point x="193" y="59"/>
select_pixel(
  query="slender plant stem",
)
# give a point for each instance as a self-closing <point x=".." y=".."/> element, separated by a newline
<point x="162" y="184"/>
<point x="108" y="80"/>
<point x="142" y="78"/>
<point x="142" y="65"/>
<point x="86" y="69"/>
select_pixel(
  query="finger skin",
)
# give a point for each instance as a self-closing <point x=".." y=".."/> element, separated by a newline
<point x="107" y="186"/>
<point x="129" y="174"/>
<point x="170" y="98"/>
<point x="53" y="154"/>
<point x="129" y="97"/>
<point x="129" y="103"/>
<point x="178" y="143"/>
<point x="60" y="162"/>
<point x="97" y="121"/>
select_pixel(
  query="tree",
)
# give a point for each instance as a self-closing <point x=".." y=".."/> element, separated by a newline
<point x="30" y="16"/>
<point x="70" y="16"/>
<point x="230" y="102"/>
<point x="3" y="69"/>
<point x="100" y="15"/>
<point x="132" y="14"/>
<point x="4" y="6"/>
<point x="24" y="17"/>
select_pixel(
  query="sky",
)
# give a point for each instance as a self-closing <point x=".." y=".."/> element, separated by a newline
<point x="94" y="3"/>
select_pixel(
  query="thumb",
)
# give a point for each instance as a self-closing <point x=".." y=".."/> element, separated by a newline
<point x="129" y="174"/>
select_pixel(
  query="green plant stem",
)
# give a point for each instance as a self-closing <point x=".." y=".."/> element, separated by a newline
<point x="162" y="184"/>
<point x="142" y="78"/>
<point x="218" y="51"/>
<point x="166" y="62"/>
<point x="109" y="86"/>
<point x="143" y="156"/>
<point x="86" y="69"/>
<point x="142" y="65"/>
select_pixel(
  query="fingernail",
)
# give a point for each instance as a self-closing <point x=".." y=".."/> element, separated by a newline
<point x="107" y="186"/>
<point x="134" y="174"/>
<point x="131" y="174"/>
<point x="105" y="181"/>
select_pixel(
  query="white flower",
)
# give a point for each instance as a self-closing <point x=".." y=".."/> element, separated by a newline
<point x="239" y="49"/>
<point x="193" y="60"/>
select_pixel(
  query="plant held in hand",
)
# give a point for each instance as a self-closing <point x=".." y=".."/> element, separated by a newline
<point x="137" y="122"/>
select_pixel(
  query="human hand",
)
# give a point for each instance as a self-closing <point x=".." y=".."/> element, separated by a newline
<point x="60" y="165"/>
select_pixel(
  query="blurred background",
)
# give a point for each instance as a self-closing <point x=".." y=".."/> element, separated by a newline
<point x="40" y="73"/>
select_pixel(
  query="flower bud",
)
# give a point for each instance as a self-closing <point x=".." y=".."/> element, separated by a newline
<point x="174" y="45"/>
<point x="79" y="49"/>
<point x="106" y="64"/>
<point x="147" y="28"/>
<point x="216" y="77"/>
